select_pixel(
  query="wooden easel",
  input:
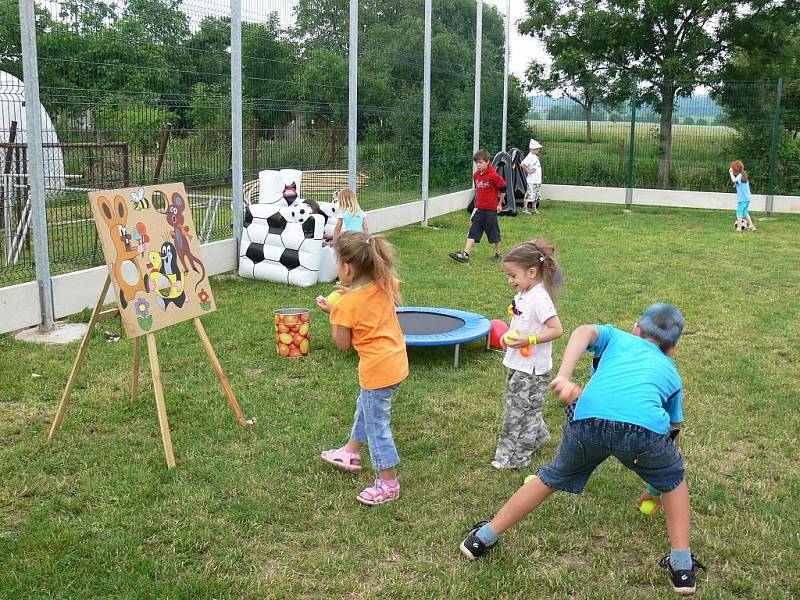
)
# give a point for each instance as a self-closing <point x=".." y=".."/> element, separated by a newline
<point x="98" y="315"/>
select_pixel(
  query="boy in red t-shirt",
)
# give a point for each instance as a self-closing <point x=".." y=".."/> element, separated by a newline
<point x="490" y="191"/>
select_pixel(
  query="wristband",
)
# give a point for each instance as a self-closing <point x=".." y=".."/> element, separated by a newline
<point x="652" y="491"/>
<point x="532" y="340"/>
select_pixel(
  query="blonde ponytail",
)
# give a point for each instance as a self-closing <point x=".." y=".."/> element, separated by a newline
<point x="372" y="256"/>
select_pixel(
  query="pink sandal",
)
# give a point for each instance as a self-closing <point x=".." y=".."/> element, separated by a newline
<point x="378" y="493"/>
<point x="343" y="459"/>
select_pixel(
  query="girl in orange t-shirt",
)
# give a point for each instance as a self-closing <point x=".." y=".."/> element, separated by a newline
<point x="365" y="318"/>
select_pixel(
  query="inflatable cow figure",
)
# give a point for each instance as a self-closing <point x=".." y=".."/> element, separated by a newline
<point x="282" y="238"/>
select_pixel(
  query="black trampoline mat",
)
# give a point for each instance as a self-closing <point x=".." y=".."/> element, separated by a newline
<point x="419" y="323"/>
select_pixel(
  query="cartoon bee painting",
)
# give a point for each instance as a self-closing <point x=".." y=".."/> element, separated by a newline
<point x="140" y="202"/>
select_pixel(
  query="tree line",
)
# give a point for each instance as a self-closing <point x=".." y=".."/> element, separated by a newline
<point x="655" y="52"/>
<point x="140" y="63"/>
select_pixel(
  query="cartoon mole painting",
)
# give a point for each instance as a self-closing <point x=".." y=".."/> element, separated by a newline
<point x="165" y="277"/>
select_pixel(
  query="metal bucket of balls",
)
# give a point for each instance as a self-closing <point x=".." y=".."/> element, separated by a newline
<point x="293" y="332"/>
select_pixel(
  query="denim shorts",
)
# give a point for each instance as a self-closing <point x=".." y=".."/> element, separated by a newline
<point x="588" y="442"/>
<point x="372" y="425"/>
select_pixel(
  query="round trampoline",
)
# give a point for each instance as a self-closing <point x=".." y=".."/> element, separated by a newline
<point x="430" y="326"/>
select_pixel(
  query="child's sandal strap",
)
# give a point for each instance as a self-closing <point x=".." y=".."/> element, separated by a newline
<point x="343" y="459"/>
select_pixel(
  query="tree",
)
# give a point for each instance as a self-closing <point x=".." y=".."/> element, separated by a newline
<point x="580" y="70"/>
<point x="209" y="60"/>
<point x="10" y="42"/>
<point x="390" y="76"/>
<point x="162" y="21"/>
<point x="85" y="16"/>
<point x="270" y="71"/>
<point x="766" y="47"/>
<point x="667" y="45"/>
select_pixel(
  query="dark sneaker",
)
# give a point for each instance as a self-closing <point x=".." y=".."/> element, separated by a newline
<point x="683" y="582"/>
<point x="497" y="258"/>
<point x="460" y="256"/>
<point x="472" y="547"/>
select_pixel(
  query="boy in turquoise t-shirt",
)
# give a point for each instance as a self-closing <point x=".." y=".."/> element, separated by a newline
<point x="631" y="409"/>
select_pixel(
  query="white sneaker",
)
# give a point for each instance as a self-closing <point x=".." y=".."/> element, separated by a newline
<point x="496" y="464"/>
<point x="526" y="212"/>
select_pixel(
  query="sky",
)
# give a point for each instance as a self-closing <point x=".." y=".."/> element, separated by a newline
<point x="523" y="48"/>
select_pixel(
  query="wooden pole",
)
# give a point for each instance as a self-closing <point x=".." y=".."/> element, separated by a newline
<point x="220" y="373"/>
<point x="162" y="149"/>
<point x="7" y="187"/>
<point x="255" y="132"/>
<point x="76" y="367"/>
<point x="135" y="376"/>
<point x="159" y="392"/>
<point x="126" y="166"/>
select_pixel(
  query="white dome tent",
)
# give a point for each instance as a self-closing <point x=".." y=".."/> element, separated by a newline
<point x="14" y="199"/>
<point x="12" y="108"/>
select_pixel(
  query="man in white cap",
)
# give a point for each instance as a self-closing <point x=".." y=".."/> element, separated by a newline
<point x="533" y="168"/>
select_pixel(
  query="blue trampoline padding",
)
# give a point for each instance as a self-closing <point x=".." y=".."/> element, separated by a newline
<point x="473" y="326"/>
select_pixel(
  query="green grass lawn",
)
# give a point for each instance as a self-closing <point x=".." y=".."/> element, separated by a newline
<point x="253" y="513"/>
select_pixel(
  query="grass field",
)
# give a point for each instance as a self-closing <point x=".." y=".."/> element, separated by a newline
<point x="700" y="155"/>
<point x="253" y="513"/>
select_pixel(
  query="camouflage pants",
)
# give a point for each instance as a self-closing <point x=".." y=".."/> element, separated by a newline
<point x="524" y="430"/>
<point x="534" y="194"/>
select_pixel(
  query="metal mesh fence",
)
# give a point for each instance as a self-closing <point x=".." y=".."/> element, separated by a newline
<point x="138" y="91"/>
<point x="707" y="130"/>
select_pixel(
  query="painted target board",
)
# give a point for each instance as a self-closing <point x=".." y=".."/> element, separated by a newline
<point x="150" y="247"/>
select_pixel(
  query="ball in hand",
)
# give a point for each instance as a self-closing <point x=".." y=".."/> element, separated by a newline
<point x="333" y="297"/>
<point x="647" y="506"/>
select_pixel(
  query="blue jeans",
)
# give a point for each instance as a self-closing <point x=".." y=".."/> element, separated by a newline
<point x="372" y="425"/>
<point x="587" y="443"/>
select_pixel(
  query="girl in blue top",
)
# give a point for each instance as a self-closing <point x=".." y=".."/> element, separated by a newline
<point x="740" y="179"/>
<point x="351" y="217"/>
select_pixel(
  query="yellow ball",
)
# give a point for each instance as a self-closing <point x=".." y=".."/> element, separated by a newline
<point x="530" y="477"/>
<point x="647" y="506"/>
<point x="334" y="297"/>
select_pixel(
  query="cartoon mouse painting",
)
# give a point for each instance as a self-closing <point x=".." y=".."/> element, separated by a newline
<point x="179" y="233"/>
<point x="129" y="280"/>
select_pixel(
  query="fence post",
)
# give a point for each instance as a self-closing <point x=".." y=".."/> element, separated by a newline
<point x="476" y="123"/>
<point x="237" y="166"/>
<point x="773" y="153"/>
<point x="631" y="144"/>
<point x="505" y="75"/>
<point x="33" y="138"/>
<point x="426" y="113"/>
<point x="352" y="111"/>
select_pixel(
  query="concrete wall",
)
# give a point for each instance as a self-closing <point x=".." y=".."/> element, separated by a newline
<point x="73" y="292"/>
<point x="677" y="199"/>
<point x="392" y="217"/>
